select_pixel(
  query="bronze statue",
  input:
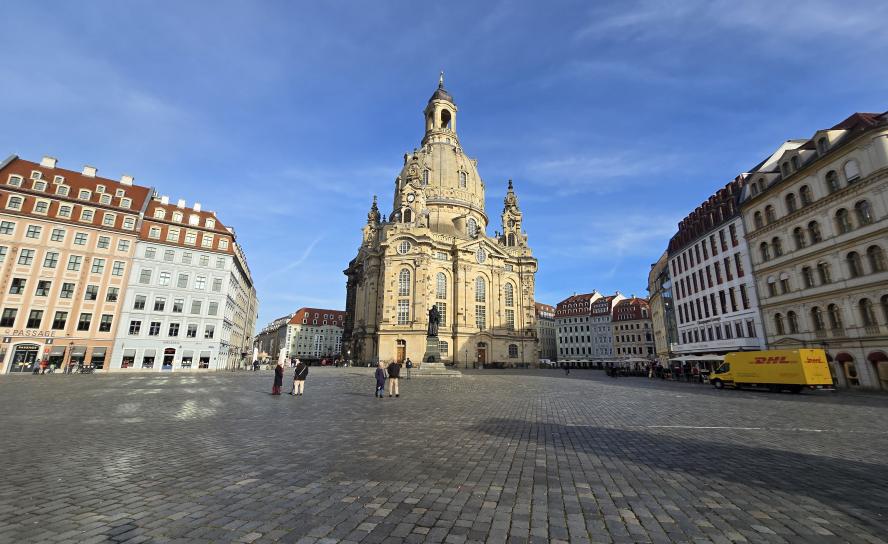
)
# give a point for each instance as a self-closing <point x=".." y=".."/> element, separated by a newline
<point x="434" y="320"/>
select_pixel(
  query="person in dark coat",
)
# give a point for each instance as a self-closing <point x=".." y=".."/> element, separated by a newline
<point x="380" y="380"/>
<point x="299" y="378"/>
<point x="394" y="376"/>
<point x="278" y="379"/>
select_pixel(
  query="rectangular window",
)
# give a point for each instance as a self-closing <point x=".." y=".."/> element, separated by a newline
<point x="123" y="245"/>
<point x="721" y="238"/>
<point x="129" y="223"/>
<point x="87" y="215"/>
<point x="33" y="231"/>
<point x="743" y="297"/>
<point x="164" y="279"/>
<point x="733" y="232"/>
<point x="206" y="241"/>
<point x="808" y="276"/>
<point x="117" y="268"/>
<point x="190" y="238"/>
<point x="159" y="304"/>
<point x="43" y="287"/>
<point x="74" y="262"/>
<point x="8" y="318"/>
<point x="57" y="235"/>
<point x="67" y="290"/>
<point x="213" y="308"/>
<point x="192" y="331"/>
<point x="172" y="235"/>
<point x="510" y="319"/>
<point x="154" y="328"/>
<point x="135" y="327"/>
<point x="113" y="294"/>
<point x="84" y="322"/>
<point x="34" y="319"/>
<point x="209" y="331"/>
<point x="403" y="312"/>
<point x="708" y="276"/>
<point x="17" y="287"/>
<point x="139" y="302"/>
<point x="220" y="262"/>
<point x="7" y="227"/>
<point x="3" y="251"/>
<point x="64" y="210"/>
<point x="738" y="265"/>
<point x="150" y="252"/>
<point x="80" y="239"/>
<point x="728" y="274"/>
<point x="169" y="255"/>
<point x="200" y="282"/>
<point x="195" y="307"/>
<point x="173" y="329"/>
<point x="178" y="305"/>
<point x="98" y="266"/>
<point x="105" y="323"/>
<point x="104" y="242"/>
<point x="182" y="281"/>
<point x="481" y="316"/>
<point x="750" y="328"/>
<point x="186" y="257"/>
<point x="733" y="299"/>
<point x="205" y="261"/>
<point x="217" y="285"/>
<point x="14" y="203"/>
<point x="145" y="276"/>
<point x="92" y="292"/>
<point x="59" y="321"/>
<point x="26" y="257"/>
<point x="108" y="219"/>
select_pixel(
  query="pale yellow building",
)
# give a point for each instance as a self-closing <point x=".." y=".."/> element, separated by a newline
<point x="434" y="250"/>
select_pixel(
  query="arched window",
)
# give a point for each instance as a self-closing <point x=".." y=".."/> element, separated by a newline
<point x="832" y="181"/>
<point x="855" y="268"/>
<point x="823" y="272"/>
<point x="814" y="232"/>
<point x="817" y="319"/>
<point x="793" y="320"/>
<point x="785" y="169"/>
<point x="852" y="171"/>
<point x="867" y="315"/>
<point x="480" y="290"/>
<point x="770" y="216"/>
<point x="509" y="293"/>
<point x="513" y="351"/>
<point x="791" y="203"/>
<point x="778" y="246"/>
<point x="757" y="219"/>
<point x="799" y="236"/>
<point x="763" y="250"/>
<point x="404" y="283"/>
<point x="876" y="258"/>
<point x="463" y="180"/>
<point x="425" y="177"/>
<point x="778" y="324"/>
<point x="761" y="185"/>
<point x="408" y="215"/>
<point x="805" y="195"/>
<point x="754" y="189"/>
<point x="822" y="145"/>
<point x="445" y="118"/>
<point x="441" y="285"/>
<point x="843" y="221"/>
<point x="864" y="212"/>
<point x="472" y="227"/>
<point x="795" y="162"/>
<point x="510" y="240"/>
<point x="835" y="317"/>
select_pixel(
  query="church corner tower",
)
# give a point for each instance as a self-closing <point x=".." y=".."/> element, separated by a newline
<point x="435" y="250"/>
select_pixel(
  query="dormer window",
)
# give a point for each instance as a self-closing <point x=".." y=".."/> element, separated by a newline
<point x="795" y="162"/>
<point x="15" y="181"/>
<point x="194" y="219"/>
<point x="119" y="193"/>
<point x="177" y="216"/>
<point x="159" y="213"/>
<point x="210" y="223"/>
<point x="58" y="179"/>
<point x="83" y="194"/>
<point x="154" y="232"/>
<point x="822" y="145"/>
<point x="105" y="199"/>
<point x="62" y="190"/>
<point x="36" y="174"/>
<point x="125" y="202"/>
<point x="100" y="189"/>
<point x="785" y="169"/>
<point x="39" y="185"/>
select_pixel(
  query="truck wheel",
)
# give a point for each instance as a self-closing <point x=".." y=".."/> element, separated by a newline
<point x="718" y="384"/>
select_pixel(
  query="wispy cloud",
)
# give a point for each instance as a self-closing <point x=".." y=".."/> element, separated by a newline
<point x="306" y="253"/>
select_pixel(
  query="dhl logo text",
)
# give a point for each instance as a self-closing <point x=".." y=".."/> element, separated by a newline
<point x="770" y="360"/>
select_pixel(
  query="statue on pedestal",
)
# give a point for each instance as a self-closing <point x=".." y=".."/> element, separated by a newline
<point x="434" y="321"/>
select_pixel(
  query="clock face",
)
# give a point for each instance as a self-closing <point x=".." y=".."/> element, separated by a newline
<point x="411" y="197"/>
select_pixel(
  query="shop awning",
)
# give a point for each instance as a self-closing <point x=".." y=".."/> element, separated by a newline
<point x="698" y="358"/>
<point x="187" y="353"/>
<point x="57" y="351"/>
<point x="99" y="352"/>
<point x="78" y="351"/>
<point x="129" y="353"/>
<point x="205" y="354"/>
<point x="149" y="352"/>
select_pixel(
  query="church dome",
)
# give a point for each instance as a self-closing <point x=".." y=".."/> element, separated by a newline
<point x="441" y="94"/>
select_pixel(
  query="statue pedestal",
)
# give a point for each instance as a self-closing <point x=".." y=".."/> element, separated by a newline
<point x="432" y="351"/>
<point x="431" y="364"/>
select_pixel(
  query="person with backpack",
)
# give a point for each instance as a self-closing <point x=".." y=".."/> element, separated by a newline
<point x="394" y="375"/>
<point x="278" y="379"/>
<point x="380" y="380"/>
<point x="299" y="378"/>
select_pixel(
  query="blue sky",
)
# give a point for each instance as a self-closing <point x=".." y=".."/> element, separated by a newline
<point x="614" y="119"/>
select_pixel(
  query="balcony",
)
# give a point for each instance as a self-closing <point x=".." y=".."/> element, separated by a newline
<point x="871" y="330"/>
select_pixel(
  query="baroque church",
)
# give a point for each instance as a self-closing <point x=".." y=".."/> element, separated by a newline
<point x="434" y="249"/>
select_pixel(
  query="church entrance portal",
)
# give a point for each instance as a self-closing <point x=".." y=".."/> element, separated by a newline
<point x="482" y="354"/>
<point x="401" y="352"/>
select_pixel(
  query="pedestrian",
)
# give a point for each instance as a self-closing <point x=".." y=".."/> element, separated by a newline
<point x="278" y="379"/>
<point x="566" y="369"/>
<point x="299" y="378"/>
<point x="394" y="376"/>
<point x="44" y="364"/>
<point x="380" y="380"/>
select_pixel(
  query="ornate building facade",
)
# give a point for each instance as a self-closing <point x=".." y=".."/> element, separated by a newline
<point x="434" y="250"/>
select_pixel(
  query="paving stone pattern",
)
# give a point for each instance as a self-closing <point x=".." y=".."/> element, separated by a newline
<point x="496" y="456"/>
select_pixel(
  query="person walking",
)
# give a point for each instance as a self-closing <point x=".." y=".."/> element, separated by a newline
<point x="566" y="369"/>
<point x="299" y="378"/>
<point x="394" y="376"/>
<point x="380" y="380"/>
<point x="278" y="379"/>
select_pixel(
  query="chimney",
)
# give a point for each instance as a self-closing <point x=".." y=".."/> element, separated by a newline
<point x="197" y="206"/>
<point x="48" y="162"/>
<point x="164" y="199"/>
<point x="126" y="180"/>
<point x="180" y="203"/>
<point x="89" y="171"/>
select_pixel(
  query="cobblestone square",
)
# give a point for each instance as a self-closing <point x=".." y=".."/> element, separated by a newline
<point x="495" y="456"/>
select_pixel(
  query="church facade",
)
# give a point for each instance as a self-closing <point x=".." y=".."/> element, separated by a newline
<point x="434" y="250"/>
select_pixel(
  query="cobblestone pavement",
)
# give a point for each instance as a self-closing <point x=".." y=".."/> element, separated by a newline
<point x="496" y="456"/>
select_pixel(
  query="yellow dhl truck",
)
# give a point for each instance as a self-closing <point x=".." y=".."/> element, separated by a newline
<point x="777" y="370"/>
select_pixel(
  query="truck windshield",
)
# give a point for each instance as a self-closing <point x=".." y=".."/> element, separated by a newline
<point x="723" y="368"/>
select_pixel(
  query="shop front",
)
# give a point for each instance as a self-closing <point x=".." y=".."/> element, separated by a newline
<point x="24" y="358"/>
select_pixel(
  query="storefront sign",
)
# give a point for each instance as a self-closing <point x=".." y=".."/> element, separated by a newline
<point x="29" y="332"/>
